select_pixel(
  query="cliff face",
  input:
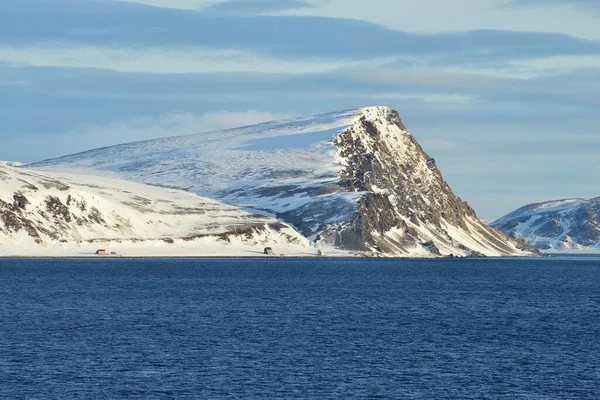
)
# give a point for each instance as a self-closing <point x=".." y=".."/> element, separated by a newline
<point x="563" y="225"/>
<point x="356" y="180"/>
<point x="406" y="207"/>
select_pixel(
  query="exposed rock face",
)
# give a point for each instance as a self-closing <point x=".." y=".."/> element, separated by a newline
<point x="356" y="180"/>
<point x="562" y="225"/>
<point x="406" y="206"/>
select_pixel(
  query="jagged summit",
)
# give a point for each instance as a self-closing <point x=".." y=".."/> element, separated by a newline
<point x="356" y="179"/>
<point x="406" y="206"/>
<point x="561" y="225"/>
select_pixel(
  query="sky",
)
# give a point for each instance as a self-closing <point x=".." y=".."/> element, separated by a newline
<point x="505" y="94"/>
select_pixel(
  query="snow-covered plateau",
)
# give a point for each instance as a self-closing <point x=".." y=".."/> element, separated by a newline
<point x="565" y="226"/>
<point x="355" y="181"/>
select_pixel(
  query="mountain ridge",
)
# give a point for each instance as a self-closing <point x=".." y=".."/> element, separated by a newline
<point x="325" y="175"/>
<point x="560" y="225"/>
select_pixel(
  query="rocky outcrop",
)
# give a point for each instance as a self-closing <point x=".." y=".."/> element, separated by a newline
<point x="406" y="206"/>
<point x="563" y="225"/>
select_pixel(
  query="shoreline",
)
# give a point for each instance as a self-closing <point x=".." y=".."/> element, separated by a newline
<point x="341" y="257"/>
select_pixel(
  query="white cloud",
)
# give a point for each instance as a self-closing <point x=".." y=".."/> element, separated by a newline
<point x="179" y="60"/>
<point x="449" y="16"/>
<point x="558" y="64"/>
<point x="429" y="98"/>
<point x="532" y="68"/>
<point x="178" y="4"/>
<point x="172" y="124"/>
<point x="444" y="78"/>
<point x="461" y="15"/>
<point x="219" y="120"/>
<point x="85" y="137"/>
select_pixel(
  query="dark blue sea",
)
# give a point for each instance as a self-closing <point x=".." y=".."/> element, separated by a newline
<point x="300" y="329"/>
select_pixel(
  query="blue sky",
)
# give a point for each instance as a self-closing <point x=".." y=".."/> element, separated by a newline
<point x="503" y="93"/>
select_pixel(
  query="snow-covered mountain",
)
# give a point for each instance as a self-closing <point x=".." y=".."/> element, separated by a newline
<point x="562" y="225"/>
<point x="43" y="214"/>
<point x="354" y="179"/>
<point x="11" y="163"/>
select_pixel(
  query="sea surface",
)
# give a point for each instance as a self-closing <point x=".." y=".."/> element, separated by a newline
<point x="300" y="329"/>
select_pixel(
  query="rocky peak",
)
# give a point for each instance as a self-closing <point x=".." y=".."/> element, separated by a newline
<point x="407" y="206"/>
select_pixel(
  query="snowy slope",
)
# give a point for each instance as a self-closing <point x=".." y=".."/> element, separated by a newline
<point x="563" y="225"/>
<point x="48" y="214"/>
<point x="274" y="167"/>
<point x="11" y="163"/>
<point x="353" y="179"/>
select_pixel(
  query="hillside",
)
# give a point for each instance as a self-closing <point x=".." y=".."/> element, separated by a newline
<point x="356" y="180"/>
<point x="563" y="225"/>
<point x="43" y="214"/>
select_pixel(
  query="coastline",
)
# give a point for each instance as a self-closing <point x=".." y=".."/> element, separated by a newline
<point x="290" y="257"/>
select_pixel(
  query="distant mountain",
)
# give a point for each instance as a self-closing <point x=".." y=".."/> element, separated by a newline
<point x="43" y="214"/>
<point x="356" y="180"/>
<point x="563" y="225"/>
<point x="11" y="163"/>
